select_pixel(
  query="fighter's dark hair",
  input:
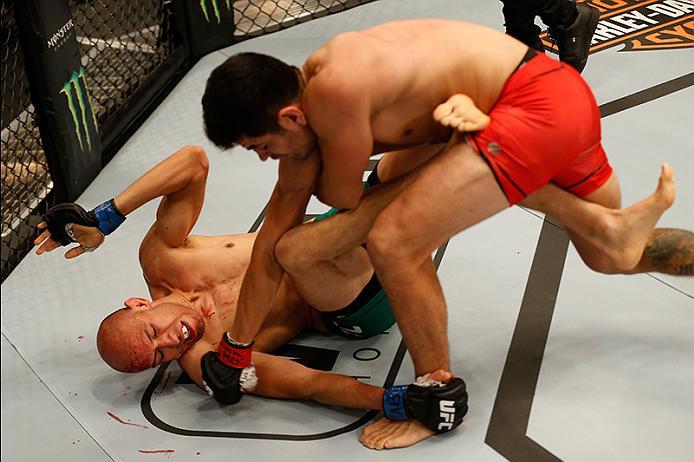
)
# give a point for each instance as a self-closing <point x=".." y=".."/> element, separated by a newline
<point x="243" y="95"/>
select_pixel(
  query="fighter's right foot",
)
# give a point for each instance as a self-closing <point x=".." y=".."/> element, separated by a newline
<point x="627" y="231"/>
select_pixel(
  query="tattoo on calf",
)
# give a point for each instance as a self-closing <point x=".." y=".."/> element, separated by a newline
<point x="671" y="251"/>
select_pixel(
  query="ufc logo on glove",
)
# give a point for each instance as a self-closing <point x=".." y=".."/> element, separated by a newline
<point x="447" y="414"/>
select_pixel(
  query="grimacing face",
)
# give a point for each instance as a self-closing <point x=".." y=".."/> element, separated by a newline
<point x="146" y="335"/>
<point x="285" y="143"/>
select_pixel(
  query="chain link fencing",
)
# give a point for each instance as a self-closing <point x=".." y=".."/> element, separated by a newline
<point x="259" y="17"/>
<point x="26" y="182"/>
<point x="122" y="44"/>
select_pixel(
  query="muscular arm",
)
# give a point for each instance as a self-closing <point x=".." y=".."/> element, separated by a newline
<point x="285" y="210"/>
<point x="282" y="378"/>
<point x="180" y="178"/>
<point x="340" y="116"/>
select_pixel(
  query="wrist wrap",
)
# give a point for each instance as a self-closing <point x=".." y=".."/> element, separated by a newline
<point x="109" y="217"/>
<point x="394" y="402"/>
<point x="234" y="354"/>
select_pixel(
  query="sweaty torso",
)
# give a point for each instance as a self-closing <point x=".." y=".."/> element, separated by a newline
<point x="207" y="270"/>
<point x="408" y="68"/>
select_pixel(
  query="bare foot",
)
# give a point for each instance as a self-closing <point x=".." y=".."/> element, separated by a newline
<point x="391" y="434"/>
<point x="628" y="230"/>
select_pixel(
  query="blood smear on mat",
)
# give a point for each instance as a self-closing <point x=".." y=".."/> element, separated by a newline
<point x="119" y="420"/>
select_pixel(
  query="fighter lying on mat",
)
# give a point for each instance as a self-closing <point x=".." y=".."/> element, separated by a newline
<point x="194" y="282"/>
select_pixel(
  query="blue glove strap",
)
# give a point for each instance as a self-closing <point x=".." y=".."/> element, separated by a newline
<point x="109" y="217"/>
<point x="394" y="402"/>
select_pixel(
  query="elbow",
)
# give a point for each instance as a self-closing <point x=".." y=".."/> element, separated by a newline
<point x="343" y="201"/>
<point x="197" y="159"/>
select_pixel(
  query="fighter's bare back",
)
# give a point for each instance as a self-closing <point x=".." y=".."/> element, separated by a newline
<point x="398" y="67"/>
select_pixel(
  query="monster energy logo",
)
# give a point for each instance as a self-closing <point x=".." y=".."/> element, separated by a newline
<point x="215" y="8"/>
<point x="78" y="100"/>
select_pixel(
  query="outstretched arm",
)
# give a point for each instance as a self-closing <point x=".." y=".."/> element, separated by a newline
<point x="283" y="378"/>
<point x="180" y="179"/>
<point x="285" y="210"/>
<point x="286" y="379"/>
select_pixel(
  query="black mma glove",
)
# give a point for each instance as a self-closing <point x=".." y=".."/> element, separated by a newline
<point x="440" y="407"/>
<point x="61" y="217"/>
<point x="228" y="372"/>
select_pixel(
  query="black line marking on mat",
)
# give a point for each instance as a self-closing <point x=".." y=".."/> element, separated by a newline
<point x="676" y="289"/>
<point x="508" y="423"/>
<point x="647" y="95"/>
<point x="258" y="221"/>
<point x="514" y="399"/>
<point x="148" y="412"/>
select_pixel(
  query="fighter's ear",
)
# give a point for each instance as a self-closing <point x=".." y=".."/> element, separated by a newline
<point x="291" y="117"/>
<point x="137" y="303"/>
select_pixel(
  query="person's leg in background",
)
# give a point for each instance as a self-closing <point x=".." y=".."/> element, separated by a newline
<point x="571" y="24"/>
<point x="519" y="20"/>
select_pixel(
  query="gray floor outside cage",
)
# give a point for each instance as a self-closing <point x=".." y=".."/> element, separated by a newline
<point x="615" y="379"/>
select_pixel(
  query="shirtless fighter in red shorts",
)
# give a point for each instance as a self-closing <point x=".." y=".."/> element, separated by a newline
<point x="531" y="134"/>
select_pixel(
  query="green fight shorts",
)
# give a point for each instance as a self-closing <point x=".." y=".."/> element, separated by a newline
<point x="368" y="315"/>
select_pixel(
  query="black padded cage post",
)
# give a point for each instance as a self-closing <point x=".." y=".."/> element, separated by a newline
<point x="209" y="25"/>
<point x="133" y="55"/>
<point x="213" y="24"/>
<point x="124" y="57"/>
<point x="60" y="91"/>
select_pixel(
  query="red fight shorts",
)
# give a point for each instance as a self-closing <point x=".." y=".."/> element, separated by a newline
<point x="545" y="127"/>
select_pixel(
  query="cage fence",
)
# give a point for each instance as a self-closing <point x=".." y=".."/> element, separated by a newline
<point x="26" y="182"/>
<point x="121" y="43"/>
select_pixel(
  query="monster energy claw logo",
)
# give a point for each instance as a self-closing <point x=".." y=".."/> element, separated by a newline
<point x="78" y="101"/>
<point x="215" y="8"/>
